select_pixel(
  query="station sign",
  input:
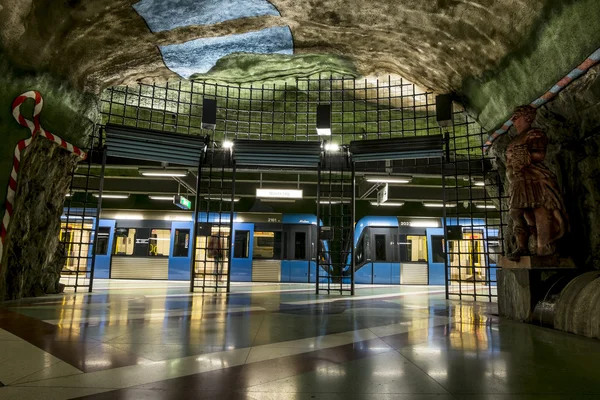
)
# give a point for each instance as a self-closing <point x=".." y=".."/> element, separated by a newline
<point x="382" y="194"/>
<point x="279" y="193"/>
<point x="182" y="202"/>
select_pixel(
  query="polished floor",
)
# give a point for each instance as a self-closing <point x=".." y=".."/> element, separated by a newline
<point x="147" y="340"/>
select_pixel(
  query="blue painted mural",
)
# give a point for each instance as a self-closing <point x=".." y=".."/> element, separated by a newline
<point x="164" y="15"/>
<point x="200" y="55"/>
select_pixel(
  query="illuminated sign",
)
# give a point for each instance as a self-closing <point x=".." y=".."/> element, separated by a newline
<point x="279" y="193"/>
<point x="182" y="202"/>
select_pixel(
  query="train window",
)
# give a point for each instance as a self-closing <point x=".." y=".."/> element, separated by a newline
<point x="437" y="249"/>
<point x="300" y="245"/>
<point x="360" y="252"/>
<point x="413" y="248"/>
<point x="241" y="244"/>
<point x="125" y="241"/>
<point x="102" y="242"/>
<point x="380" y="253"/>
<point x="182" y="243"/>
<point x="267" y="245"/>
<point x="159" y="242"/>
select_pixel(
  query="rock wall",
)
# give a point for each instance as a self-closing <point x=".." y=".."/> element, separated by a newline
<point x="32" y="258"/>
<point x="572" y="123"/>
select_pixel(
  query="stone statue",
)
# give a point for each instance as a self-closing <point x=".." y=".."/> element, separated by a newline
<point x="535" y="204"/>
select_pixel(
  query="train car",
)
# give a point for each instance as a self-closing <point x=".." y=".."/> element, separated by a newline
<point x="265" y="247"/>
<point x="406" y="250"/>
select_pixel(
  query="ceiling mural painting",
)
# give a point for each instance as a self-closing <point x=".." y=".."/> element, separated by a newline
<point x="200" y="55"/>
<point x="165" y="15"/>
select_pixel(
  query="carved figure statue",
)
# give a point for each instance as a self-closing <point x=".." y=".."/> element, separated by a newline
<point x="536" y="205"/>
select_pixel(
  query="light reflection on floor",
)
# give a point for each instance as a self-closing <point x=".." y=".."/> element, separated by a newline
<point x="141" y="339"/>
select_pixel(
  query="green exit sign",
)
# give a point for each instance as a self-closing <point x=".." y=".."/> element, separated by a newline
<point x="182" y="202"/>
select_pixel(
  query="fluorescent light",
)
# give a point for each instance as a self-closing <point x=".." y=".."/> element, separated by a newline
<point x="68" y="195"/>
<point x="334" y="201"/>
<point x="163" y="172"/>
<point x="235" y="199"/>
<point x="324" y="131"/>
<point x="388" y="179"/>
<point x="439" y="205"/>
<point x="332" y="147"/>
<point x="279" y="193"/>
<point x="227" y="144"/>
<point x="485" y="206"/>
<point x="388" y="203"/>
<point x="424" y="224"/>
<point x="70" y="217"/>
<point x="479" y="183"/>
<point x="165" y="198"/>
<point x="132" y="217"/>
<point x="112" y="195"/>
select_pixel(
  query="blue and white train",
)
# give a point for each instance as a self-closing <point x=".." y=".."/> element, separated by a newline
<point x="271" y="247"/>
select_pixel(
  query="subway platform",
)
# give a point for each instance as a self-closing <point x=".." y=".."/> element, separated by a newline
<point x="155" y="340"/>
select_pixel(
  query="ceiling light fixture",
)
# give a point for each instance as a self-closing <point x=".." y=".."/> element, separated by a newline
<point x="235" y="199"/>
<point x="388" y="203"/>
<point x="164" y="172"/>
<point x="324" y="119"/>
<point x="332" y="147"/>
<point x="165" y="198"/>
<point x="485" y="206"/>
<point x="388" y="179"/>
<point x="112" y="195"/>
<point x="439" y="205"/>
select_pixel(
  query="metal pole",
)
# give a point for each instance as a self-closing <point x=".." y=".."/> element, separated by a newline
<point x="446" y="266"/>
<point x="195" y="213"/>
<point x="231" y="228"/>
<point x="318" y="274"/>
<point x="353" y="222"/>
<point x="98" y="209"/>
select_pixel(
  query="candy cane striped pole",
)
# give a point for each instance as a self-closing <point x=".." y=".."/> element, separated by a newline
<point x="36" y="129"/>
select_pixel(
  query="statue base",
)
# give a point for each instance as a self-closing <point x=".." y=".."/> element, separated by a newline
<point x="521" y="284"/>
<point x="537" y="262"/>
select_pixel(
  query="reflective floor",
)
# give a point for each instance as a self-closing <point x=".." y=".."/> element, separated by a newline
<point x="148" y="340"/>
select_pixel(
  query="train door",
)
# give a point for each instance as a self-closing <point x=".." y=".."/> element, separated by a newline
<point x="312" y="271"/>
<point x="467" y="257"/>
<point x="104" y="246"/>
<point x="76" y="239"/>
<point x="436" y="255"/>
<point x="297" y="253"/>
<point x="180" y="254"/>
<point x="382" y="253"/>
<point x="241" y="252"/>
<point x="266" y="252"/>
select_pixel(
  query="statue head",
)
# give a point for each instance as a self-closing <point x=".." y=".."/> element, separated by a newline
<point x="523" y="116"/>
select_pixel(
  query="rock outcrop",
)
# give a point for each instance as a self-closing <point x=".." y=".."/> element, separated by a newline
<point x="32" y="259"/>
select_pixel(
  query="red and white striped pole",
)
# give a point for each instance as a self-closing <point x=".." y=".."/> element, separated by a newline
<point x="35" y="128"/>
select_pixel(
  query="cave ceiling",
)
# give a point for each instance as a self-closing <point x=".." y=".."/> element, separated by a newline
<point x="438" y="44"/>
